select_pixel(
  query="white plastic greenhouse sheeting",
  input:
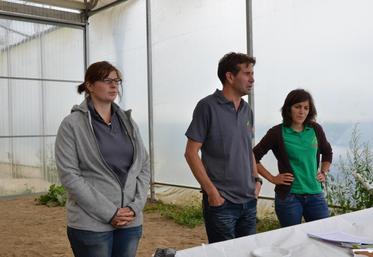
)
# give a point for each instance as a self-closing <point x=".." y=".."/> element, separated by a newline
<point x="293" y="238"/>
<point x="188" y="39"/>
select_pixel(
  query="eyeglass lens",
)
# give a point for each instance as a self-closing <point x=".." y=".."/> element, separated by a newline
<point x="110" y="81"/>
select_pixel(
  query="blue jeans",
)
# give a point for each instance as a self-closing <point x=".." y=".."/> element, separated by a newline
<point x="229" y="220"/>
<point x="290" y="210"/>
<point x="116" y="243"/>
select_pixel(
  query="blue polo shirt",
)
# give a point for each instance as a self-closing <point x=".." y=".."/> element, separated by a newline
<point x="226" y="136"/>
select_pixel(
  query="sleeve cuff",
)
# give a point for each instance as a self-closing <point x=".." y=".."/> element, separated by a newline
<point x="113" y="216"/>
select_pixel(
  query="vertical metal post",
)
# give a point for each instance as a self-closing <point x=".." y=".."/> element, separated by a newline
<point x="43" y="123"/>
<point x="86" y="38"/>
<point x="249" y="46"/>
<point x="10" y="109"/>
<point x="249" y="27"/>
<point x="150" y="97"/>
<point x="86" y="46"/>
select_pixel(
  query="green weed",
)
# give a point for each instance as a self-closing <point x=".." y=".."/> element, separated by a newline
<point x="56" y="196"/>
<point x="192" y="216"/>
<point x="189" y="216"/>
<point x="267" y="223"/>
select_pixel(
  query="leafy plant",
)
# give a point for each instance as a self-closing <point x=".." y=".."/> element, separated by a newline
<point x="192" y="216"/>
<point x="267" y="223"/>
<point x="189" y="216"/>
<point x="56" y="196"/>
<point x="349" y="189"/>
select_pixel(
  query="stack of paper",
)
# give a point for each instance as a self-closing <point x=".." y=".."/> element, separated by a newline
<point x="342" y="238"/>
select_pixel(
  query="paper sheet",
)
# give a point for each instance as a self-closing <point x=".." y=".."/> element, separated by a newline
<point x="341" y="237"/>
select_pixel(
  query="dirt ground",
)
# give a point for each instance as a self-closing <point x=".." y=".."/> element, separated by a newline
<point x="30" y="230"/>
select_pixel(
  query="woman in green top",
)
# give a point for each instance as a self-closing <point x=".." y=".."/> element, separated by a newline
<point x="297" y="143"/>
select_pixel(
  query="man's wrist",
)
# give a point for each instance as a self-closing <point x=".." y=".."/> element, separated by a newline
<point x="258" y="180"/>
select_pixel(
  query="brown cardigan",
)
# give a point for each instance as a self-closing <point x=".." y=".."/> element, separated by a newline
<point x="274" y="141"/>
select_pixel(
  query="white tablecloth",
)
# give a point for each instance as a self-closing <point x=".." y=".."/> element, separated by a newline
<point x="359" y="223"/>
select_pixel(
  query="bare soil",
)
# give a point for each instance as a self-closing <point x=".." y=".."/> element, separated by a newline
<point x="30" y="230"/>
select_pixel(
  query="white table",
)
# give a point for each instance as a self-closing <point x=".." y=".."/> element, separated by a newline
<point x="294" y="238"/>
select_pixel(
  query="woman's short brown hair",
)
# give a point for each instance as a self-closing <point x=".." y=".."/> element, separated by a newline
<point x="294" y="97"/>
<point x="97" y="71"/>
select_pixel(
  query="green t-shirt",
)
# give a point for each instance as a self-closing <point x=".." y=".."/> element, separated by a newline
<point x="301" y="148"/>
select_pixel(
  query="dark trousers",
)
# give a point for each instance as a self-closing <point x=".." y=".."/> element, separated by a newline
<point x="229" y="220"/>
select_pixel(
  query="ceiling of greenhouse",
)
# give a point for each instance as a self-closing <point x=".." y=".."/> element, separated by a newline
<point x="67" y="5"/>
<point x="77" y="4"/>
<point x="73" y="12"/>
<point x="21" y="20"/>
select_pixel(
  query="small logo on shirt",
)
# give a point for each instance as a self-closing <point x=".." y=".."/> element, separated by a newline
<point x="250" y="128"/>
<point x="314" y="143"/>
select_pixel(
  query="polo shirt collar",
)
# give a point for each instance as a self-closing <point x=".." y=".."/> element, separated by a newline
<point x="95" y="114"/>
<point x="291" y="130"/>
<point x="221" y="98"/>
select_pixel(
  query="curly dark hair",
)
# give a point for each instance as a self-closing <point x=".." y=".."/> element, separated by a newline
<point x="294" y="97"/>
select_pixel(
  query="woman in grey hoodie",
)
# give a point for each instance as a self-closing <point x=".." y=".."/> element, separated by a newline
<point x="104" y="166"/>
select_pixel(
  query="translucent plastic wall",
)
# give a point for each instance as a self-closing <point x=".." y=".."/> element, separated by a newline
<point x="188" y="39"/>
<point x="118" y="35"/>
<point x="324" y="47"/>
<point x="40" y="66"/>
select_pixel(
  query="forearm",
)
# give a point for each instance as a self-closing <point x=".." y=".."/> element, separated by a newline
<point x="255" y="170"/>
<point x="264" y="172"/>
<point x="325" y="166"/>
<point x="200" y="173"/>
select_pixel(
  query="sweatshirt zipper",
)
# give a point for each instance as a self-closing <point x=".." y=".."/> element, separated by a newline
<point x="102" y="158"/>
<point x="132" y="137"/>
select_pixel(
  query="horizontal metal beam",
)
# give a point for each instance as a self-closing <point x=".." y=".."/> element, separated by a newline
<point x="70" y="4"/>
<point x="174" y="185"/>
<point x="26" y="136"/>
<point x="14" y="31"/>
<point x="40" y="79"/>
<point x="13" y="197"/>
<point x="28" y="12"/>
<point x="93" y="12"/>
<point x="199" y="189"/>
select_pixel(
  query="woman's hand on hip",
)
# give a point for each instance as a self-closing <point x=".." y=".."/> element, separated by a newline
<point x="321" y="176"/>
<point x="283" y="179"/>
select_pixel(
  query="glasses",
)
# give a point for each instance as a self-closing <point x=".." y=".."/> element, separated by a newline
<point x="108" y="81"/>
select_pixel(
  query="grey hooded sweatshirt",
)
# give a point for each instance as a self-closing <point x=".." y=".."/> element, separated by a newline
<point x="94" y="190"/>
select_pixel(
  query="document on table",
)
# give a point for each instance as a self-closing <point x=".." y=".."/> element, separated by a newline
<point x="341" y="237"/>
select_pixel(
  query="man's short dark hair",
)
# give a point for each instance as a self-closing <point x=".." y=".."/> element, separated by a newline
<point x="229" y="63"/>
<point x="297" y="96"/>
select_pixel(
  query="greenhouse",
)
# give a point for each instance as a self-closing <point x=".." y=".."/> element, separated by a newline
<point x="168" y="53"/>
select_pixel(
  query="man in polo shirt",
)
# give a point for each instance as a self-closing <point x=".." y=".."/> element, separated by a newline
<point x="222" y="130"/>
